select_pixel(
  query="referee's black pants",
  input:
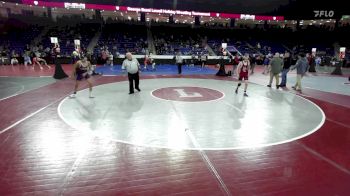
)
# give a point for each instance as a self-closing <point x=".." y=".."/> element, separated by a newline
<point x="132" y="78"/>
<point x="179" y="67"/>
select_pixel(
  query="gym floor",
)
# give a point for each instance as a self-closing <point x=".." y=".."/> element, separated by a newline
<point x="181" y="135"/>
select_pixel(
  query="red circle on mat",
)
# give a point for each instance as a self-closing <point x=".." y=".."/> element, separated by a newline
<point x="187" y="94"/>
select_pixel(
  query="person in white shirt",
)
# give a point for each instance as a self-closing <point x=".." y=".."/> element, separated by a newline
<point x="179" y="61"/>
<point x="132" y="67"/>
<point x="27" y="59"/>
<point x="204" y="58"/>
<point x="14" y="61"/>
<point x="110" y="59"/>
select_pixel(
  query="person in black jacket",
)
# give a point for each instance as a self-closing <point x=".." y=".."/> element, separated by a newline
<point x="286" y="66"/>
<point x="312" y="64"/>
<point x="252" y="63"/>
<point x="223" y="61"/>
<point x="59" y="72"/>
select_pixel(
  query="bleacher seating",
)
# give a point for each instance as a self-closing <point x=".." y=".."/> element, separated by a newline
<point x="124" y="38"/>
<point x="185" y="39"/>
<point x="16" y="38"/>
<point x="67" y="34"/>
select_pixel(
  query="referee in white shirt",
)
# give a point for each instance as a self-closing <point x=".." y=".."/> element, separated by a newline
<point x="179" y="61"/>
<point x="132" y="66"/>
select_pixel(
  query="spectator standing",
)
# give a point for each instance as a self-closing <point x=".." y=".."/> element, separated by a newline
<point x="204" y="58"/>
<point x="301" y="66"/>
<point x="266" y="63"/>
<point x="179" y="61"/>
<point x="287" y="61"/>
<point x="276" y="65"/>
<point x="252" y="63"/>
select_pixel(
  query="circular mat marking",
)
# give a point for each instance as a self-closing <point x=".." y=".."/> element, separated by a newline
<point x="267" y="117"/>
<point x="187" y="94"/>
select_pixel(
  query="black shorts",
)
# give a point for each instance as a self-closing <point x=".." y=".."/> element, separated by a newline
<point x="82" y="76"/>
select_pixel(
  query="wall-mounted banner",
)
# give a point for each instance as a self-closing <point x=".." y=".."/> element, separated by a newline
<point x="148" y="10"/>
<point x="75" y="5"/>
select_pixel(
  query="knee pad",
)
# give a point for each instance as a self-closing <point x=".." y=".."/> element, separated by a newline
<point x="239" y="84"/>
